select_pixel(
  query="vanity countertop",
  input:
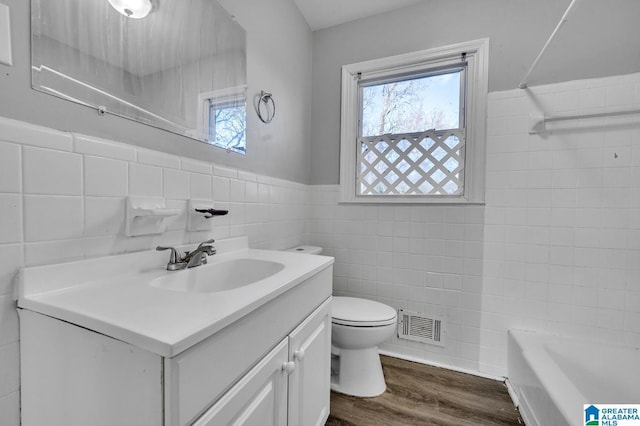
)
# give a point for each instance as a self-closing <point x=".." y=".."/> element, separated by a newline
<point x="112" y="295"/>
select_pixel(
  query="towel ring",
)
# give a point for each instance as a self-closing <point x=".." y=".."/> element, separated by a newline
<point x="265" y="98"/>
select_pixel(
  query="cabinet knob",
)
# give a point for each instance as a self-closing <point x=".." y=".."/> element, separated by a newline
<point x="299" y="354"/>
<point x="288" y="367"/>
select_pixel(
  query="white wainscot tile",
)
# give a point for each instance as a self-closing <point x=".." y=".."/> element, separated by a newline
<point x="11" y="214"/>
<point x="9" y="368"/>
<point x="225" y="172"/>
<point x="51" y="218"/>
<point x="103" y="148"/>
<point x="43" y="253"/>
<point x="9" y="330"/>
<point x="179" y="222"/>
<point x="145" y="180"/>
<point x="52" y="172"/>
<point x="104" y="216"/>
<point x="10" y="163"/>
<point x="29" y="134"/>
<point x="237" y="190"/>
<point x="175" y="184"/>
<point x="251" y="192"/>
<point x="160" y="159"/>
<point x="221" y="189"/>
<point x="200" y="187"/>
<point x="11" y="260"/>
<point x="105" y="177"/>
<point x="196" y="166"/>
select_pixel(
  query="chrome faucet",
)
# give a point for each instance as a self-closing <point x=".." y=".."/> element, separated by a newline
<point x="197" y="257"/>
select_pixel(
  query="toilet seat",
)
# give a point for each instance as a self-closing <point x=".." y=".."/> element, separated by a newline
<point x="356" y="312"/>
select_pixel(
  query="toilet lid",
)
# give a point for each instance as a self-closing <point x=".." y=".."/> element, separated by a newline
<point x="358" y="312"/>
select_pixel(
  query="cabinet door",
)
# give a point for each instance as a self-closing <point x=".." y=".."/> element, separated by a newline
<point x="259" y="398"/>
<point x="310" y="350"/>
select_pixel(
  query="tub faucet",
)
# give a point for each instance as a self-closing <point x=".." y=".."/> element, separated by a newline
<point x="197" y="257"/>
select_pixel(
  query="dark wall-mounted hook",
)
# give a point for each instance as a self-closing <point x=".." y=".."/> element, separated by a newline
<point x="209" y="213"/>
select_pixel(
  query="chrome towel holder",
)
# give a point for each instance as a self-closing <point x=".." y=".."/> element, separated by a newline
<point x="266" y="98"/>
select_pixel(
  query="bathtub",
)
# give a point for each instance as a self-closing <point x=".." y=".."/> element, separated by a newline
<point x="553" y="376"/>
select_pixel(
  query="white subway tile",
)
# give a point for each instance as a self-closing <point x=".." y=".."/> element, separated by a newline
<point x="200" y="186"/>
<point x="51" y="172"/>
<point x="11" y="214"/>
<point x="226" y="172"/>
<point x="175" y="184"/>
<point x="145" y="180"/>
<point x="10" y="163"/>
<point x="105" y="177"/>
<point x="52" y="217"/>
<point x="29" y="134"/>
<point x="104" y="216"/>
<point x="196" y="166"/>
<point x="156" y="158"/>
<point x="103" y="148"/>
<point x="221" y="190"/>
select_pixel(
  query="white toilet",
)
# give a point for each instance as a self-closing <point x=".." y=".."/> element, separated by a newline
<point x="358" y="327"/>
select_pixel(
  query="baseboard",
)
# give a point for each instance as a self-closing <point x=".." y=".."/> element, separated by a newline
<point x="448" y="367"/>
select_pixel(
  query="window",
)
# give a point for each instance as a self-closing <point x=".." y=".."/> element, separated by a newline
<point x="227" y="125"/>
<point x="413" y="127"/>
<point x="224" y="118"/>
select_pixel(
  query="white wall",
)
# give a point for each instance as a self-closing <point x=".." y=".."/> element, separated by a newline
<point x="556" y="248"/>
<point x="62" y="197"/>
<point x="278" y="60"/>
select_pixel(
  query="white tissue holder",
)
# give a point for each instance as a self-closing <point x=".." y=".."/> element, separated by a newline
<point x="147" y="216"/>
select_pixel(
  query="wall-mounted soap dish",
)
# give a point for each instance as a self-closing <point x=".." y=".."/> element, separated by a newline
<point x="147" y="215"/>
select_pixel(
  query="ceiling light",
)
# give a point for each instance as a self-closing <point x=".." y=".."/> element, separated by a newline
<point x="136" y="9"/>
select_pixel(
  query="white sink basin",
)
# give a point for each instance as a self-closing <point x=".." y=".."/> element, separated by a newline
<point x="214" y="277"/>
<point x="133" y="298"/>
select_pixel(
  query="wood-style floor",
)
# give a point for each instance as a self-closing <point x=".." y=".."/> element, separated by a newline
<point x="423" y="395"/>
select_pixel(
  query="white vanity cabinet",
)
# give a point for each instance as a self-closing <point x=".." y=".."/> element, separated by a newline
<point x="269" y="367"/>
<point x="287" y="387"/>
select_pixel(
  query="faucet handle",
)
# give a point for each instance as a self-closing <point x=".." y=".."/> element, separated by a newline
<point x="210" y="250"/>
<point x="176" y="255"/>
<point x="211" y="241"/>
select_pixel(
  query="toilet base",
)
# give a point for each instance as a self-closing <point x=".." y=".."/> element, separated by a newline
<point x="357" y="372"/>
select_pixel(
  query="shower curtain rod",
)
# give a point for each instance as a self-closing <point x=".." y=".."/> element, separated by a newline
<point x="563" y="20"/>
<point x="537" y="123"/>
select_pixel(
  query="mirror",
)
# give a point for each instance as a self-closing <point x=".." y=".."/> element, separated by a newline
<point x="179" y="65"/>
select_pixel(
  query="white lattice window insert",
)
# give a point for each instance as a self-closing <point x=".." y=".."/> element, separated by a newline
<point x="427" y="163"/>
<point x="413" y="127"/>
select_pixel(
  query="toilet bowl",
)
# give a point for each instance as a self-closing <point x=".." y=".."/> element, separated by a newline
<point x="358" y="327"/>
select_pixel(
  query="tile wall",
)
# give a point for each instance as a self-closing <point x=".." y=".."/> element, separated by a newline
<point x="562" y="218"/>
<point x="556" y="248"/>
<point x="62" y="197"/>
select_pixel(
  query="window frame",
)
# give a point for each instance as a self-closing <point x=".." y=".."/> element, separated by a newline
<point x="393" y="68"/>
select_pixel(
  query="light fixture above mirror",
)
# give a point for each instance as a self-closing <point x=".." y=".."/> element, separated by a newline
<point x="136" y="9"/>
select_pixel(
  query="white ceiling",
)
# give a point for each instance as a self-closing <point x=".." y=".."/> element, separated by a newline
<point x="327" y="13"/>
